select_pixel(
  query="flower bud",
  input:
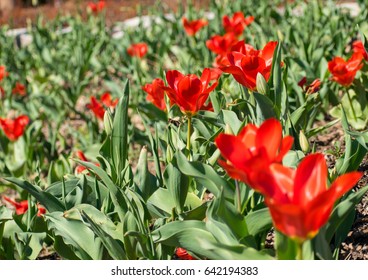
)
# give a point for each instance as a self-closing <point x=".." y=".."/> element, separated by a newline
<point x="228" y="129"/>
<point x="280" y="35"/>
<point x="304" y="144"/>
<point x="108" y="122"/>
<point x="261" y="84"/>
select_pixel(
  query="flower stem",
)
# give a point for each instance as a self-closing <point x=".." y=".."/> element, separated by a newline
<point x="238" y="196"/>
<point x="351" y="105"/>
<point x="189" y="134"/>
<point x="299" y="250"/>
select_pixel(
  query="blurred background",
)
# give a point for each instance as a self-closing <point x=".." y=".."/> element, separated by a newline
<point x="17" y="12"/>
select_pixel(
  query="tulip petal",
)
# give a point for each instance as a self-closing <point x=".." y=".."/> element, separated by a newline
<point x="310" y="179"/>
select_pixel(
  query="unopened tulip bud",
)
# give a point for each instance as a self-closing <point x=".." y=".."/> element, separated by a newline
<point x="108" y="122"/>
<point x="228" y="129"/>
<point x="280" y="35"/>
<point x="304" y="144"/>
<point x="261" y="84"/>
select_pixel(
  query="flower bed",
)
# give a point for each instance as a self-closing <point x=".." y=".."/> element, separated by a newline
<point x="189" y="138"/>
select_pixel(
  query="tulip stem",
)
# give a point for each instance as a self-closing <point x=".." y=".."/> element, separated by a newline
<point x="351" y="105"/>
<point x="238" y="195"/>
<point x="299" y="251"/>
<point x="189" y="134"/>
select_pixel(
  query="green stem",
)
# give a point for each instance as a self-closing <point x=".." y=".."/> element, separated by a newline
<point x="299" y="252"/>
<point x="238" y="195"/>
<point x="189" y="133"/>
<point x="351" y="105"/>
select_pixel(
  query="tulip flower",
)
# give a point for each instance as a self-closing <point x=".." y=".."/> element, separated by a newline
<point x="138" y="50"/>
<point x="3" y="72"/>
<point x="343" y="72"/>
<point x="246" y="64"/>
<point x="156" y="93"/>
<point x="183" y="254"/>
<point x="237" y="23"/>
<point x="14" y="128"/>
<point x="299" y="200"/>
<point x="192" y="27"/>
<point x="19" y="89"/>
<point x="253" y="149"/>
<point x="22" y="207"/>
<point x="2" y="92"/>
<point x="188" y="91"/>
<point x="312" y="88"/>
<point x="221" y="44"/>
<point x="358" y="47"/>
<point x="98" y="108"/>
<point x="96" y="8"/>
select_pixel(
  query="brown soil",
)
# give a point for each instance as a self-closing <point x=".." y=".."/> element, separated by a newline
<point x="116" y="10"/>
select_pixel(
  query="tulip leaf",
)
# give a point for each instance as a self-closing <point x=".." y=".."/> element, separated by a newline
<point x="258" y="221"/>
<point x="197" y="240"/>
<point x="113" y="246"/>
<point x="177" y="184"/>
<point x="115" y="193"/>
<point x="205" y="175"/>
<point x="145" y="181"/>
<point x="46" y="199"/>
<point x="264" y="108"/>
<point x="75" y="233"/>
<point x="29" y="244"/>
<point x="120" y="146"/>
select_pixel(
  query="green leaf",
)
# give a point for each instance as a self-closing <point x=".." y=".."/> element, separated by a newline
<point x="116" y="194"/>
<point x="145" y="181"/>
<point x="258" y="221"/>
<point x="114" y="247"/>
<point x="120" y="133"/>
<point x="29" y="244"/>
<point x="196" y="239"/>
<point x="177" y="185"/>
<point x="76" y="234"/>
<point x="49" y="201"/>
<point x="205" y="175"/>
<point x="264" y="108"/>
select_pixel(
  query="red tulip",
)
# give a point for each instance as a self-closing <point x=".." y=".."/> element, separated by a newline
<point x="300" y="201"/>
<point x="107" y="100"/>
<point x="344" y="72"/>
<point x="240" y="46"/>
<point x="358" y="47"/>
<point x="96" y="8"/>
<point x="246" y="64"/>
<point x="252" y="150"/>
<point x="3" y="72"/>
<point x="188" y="91"/>
<point x="192" y="27"/>
<point x="183" y="254"/>
<point x="237" y="23"/>
<point x="138" y="50"/>
<point x="221" y="44"/>
<point x="155" y="93"/>
<point x="312" y="88"/>
<point x="98" y="108"/>
<point x="19" y="89"/>
<point x="22" y="207"/>
<point x="14" y="128"/>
